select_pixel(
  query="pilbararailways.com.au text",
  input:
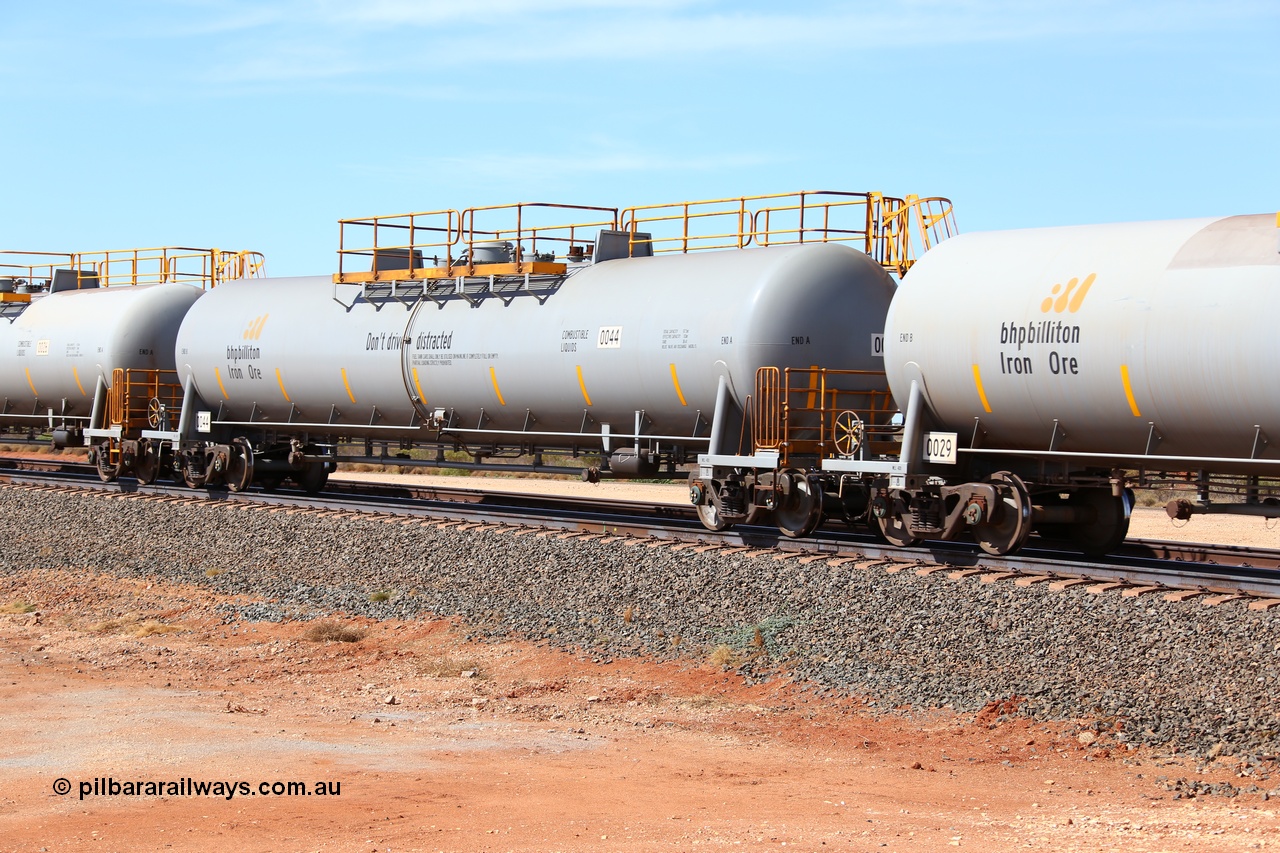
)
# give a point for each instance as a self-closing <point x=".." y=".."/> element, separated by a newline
<point x="188" y="787"/>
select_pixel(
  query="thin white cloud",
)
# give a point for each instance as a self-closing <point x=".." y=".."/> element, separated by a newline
<point x="387" y="36"/>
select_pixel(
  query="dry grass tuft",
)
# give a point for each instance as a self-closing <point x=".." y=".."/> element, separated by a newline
<point x="151" y="626"/>
<point x="380" y="596"/>
<point x="447" y="667"/>
<point x="724" y="656"/>
<point x="326" y="630"/>
<point x="18" y="607"/>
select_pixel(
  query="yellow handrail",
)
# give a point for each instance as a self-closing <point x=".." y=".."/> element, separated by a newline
<point x="115" y="267"/>
<point x="449" y="239"/>
<point x="893" y="231"/>
<point x="411" y="238"/>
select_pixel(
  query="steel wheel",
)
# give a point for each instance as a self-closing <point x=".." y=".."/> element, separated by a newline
<point x="269" y="482"/>
<point x="312" y="478"/>
<point x="1104" y="534"/>
<point x="147" y="466"/>
<point x="240" y="466"/>
<point x="709" y="515"/>
<point x="192" y="474"/>
<point x="887" y="524"/>
<point x="800" y="512"/>
<point x="1010" y="525"/>
<point x="107" y="470"/>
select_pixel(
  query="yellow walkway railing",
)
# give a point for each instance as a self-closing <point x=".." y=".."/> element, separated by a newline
<point x="517" y="239"/>
<point x="508" y="239"/>
<point x="203" y="268"/>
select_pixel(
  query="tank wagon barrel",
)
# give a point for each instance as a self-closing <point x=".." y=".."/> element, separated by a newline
<point x="628" y="334"/>
<point x="1044" y="373"/>
<point x="88" y="340"/>
<point x="810" y="355"/>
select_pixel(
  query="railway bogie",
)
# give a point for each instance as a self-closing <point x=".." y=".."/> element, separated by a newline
<point x="1009" y="383"/>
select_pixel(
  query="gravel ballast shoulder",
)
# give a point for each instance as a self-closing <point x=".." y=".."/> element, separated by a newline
<point x="1196" y="678"/>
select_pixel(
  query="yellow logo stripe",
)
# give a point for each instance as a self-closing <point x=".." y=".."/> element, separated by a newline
<point x="982" y="394"/>
<point x="1128" y="391"/>
<point x="30" y="383"/>
<point x="347" y="385"/>
<point x="422" y="398"/>
<point x="218" y="375"/>
<point x="493" y="376"/>
<point x="280" y="379"/>
<point x="675" y="380"/>
<point x="76" y="374"/>
<point x="581" y="385"/>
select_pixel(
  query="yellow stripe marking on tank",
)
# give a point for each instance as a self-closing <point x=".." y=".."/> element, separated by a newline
<point x="280" y="379"/>
<point x="422" y="398"/>
<point x="582" y="385"/>
<point x="493" y="376"/>
<point x="812" y="400"/>
<point x="982" y="394"/>
<point x="675" y="380"/>
<point x="217" y="374"/>
<point x="347" y="385"/>
<point x="76" y="374"/>
<point x="1128" y="391"/>
<point x="34" y="392"/>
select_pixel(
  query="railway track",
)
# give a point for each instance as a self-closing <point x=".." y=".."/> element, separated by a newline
<point x="1176" y="570"/>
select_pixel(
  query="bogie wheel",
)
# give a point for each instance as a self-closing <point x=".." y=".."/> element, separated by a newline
<point x="269" y="482"/>
<point x="709" y="515"/>
<point x="192" y="474"/>
<point x="147" y="466"/>
<point x="1010" y="525"/>
<point x="312" y="478"/>
<point x="705" y="504"/>
<point x="846" y="433"/>
<point x="1105" y="534"/>
<point x="800" y="512"/>
<point x="890" y="527"/>
<point x="107" y="470"/>
<point x="240" y="466"/>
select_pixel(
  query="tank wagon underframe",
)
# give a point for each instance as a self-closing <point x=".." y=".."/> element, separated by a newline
<point x="1096" y="361"/>
<point x="610" y="338"/>
<point x="974" y="399"/>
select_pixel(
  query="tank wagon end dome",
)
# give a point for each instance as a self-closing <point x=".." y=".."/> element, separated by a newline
<point x="1100" y="336"/>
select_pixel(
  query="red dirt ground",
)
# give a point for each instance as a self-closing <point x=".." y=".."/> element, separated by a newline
<point x="442" y="744"/>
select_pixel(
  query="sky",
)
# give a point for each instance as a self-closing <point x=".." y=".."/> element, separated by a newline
<point x="259" y="124"/>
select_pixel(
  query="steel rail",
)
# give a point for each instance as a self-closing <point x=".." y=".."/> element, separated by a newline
<point x="1219" y="569"/>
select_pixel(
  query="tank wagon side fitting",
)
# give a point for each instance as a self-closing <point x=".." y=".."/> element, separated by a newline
<point x="93" y="334"/>
<point x="1094" y="363"/>
<point x="471" y="338"/>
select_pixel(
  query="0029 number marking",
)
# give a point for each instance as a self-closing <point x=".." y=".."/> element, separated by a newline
<point x="940" y="447"/>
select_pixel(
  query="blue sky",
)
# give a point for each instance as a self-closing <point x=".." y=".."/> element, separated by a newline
<point x="260" y="124"/>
